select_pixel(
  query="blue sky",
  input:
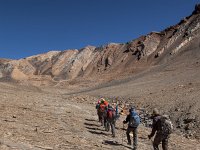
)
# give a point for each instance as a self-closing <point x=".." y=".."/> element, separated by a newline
<point x="29" y="27"/>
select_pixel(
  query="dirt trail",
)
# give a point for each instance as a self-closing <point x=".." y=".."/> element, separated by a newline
<point x="36" y="120"/>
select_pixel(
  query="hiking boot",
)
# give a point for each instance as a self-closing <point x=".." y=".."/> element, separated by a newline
<point x="129" y="143"/>
<point x="113" y="135"/>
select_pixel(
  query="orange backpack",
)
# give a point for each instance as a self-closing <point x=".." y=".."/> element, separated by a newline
<point x="106" y="103"/>
<point x="102" y="108"/>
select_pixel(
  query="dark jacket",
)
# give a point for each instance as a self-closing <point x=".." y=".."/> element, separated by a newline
<point x="156" y="126"/>
<point x="127" y="119"/>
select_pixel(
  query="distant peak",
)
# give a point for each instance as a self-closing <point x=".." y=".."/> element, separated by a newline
<point x="90" y="47"/>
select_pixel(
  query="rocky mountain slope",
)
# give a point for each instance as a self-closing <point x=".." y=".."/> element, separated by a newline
<point x="107" y="62"/>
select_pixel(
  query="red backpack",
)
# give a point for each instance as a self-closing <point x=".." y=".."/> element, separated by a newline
<point x="102" y="108"/>
<point x="110" y="113"/>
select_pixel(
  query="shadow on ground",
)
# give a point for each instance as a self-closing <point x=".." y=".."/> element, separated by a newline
<point x="90" y="120"/>
<point x="95" y="129"/>
<point x="92" y="127"/>
<point x="91" y="124"/>
<point x="98" y="133"/>
<point x="115" y="143"/>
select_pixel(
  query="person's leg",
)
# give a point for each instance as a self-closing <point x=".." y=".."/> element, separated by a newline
<point x="134" y="138"/>
<point x="165" y="144"/>
<point x="112" y="128"/>
<point x="157" y="141"/>
<point x="98" y="115"/>
<point x="107" y="125"/>
<point x="104" y="119"/>
<point x="114" y="122"/>
<point x="101" y="118"/>
<point x="128" y="135"/>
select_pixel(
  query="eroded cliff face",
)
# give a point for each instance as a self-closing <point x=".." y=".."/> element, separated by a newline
<point x="109" y="61"/>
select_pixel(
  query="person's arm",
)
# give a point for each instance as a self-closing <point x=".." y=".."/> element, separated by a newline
<point x="154" y="129"/>
<point x="97" y="106"/>
<point x="152" y="132"/>
<point x="127" y="119"/>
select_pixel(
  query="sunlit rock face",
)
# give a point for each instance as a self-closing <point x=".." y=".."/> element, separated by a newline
<point x="108" y="61"/>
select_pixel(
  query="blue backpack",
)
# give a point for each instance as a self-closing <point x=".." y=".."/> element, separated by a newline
<point x="134" y="119"/>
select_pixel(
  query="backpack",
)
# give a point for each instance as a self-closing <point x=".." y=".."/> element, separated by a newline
<point x="166" y="126"/>
<point x="134" y="119"/>
<point x="102" y="108"/>
<point x="106" y="103"/>
<point x="111" y="114"/>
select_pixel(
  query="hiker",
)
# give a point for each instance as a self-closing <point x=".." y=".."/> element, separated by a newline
<point x="104" y="102"/>
<point x="110" y="120"/>
<point x="102" y="111"/>
<point x="133" y="121"/>
<point x="163" y="127"/>
<point x="97" y="108"/>
<point x="117" y="114"/>
<point x="117" y="111"/>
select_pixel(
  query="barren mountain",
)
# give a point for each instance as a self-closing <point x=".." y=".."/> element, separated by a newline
<point x="160" y="70"/>
<point x="109" y="61"/>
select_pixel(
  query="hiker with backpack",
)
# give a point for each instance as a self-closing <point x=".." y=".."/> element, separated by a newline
<point x="133" y="120"/>
<point x="102" y="110"/>
<point x="117" y="111"/>
<point x="97" y="108"/>
<point x="110" y="120"/>
<point x="163" y="127"/>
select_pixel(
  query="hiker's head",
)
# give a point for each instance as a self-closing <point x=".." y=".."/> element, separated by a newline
<point x="102" y="100"/>
<point x="132" y="109"/>
<point x="155" y="112"/>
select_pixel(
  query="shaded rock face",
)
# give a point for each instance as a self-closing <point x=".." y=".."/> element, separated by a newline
<point x="197" y="9"/>
<point x="144" y="46"/>
<point x="110" y="60"/>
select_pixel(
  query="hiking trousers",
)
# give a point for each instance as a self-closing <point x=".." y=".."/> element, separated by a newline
<point x="111" y="123"/>
<point x="99" y="115"/>
<point x="102" y="118"/>
<point x="158" y="139"/>
<point x="134" y="130"/>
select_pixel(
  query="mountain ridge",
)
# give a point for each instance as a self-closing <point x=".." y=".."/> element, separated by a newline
<point x="106" y="62"/>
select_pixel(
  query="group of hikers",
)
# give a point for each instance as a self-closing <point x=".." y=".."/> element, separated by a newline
<point x="107" y="115"/>
<point x="161" y="125"/>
